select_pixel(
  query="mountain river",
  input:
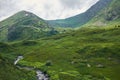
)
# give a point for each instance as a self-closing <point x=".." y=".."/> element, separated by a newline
<point x="39" y="74"/>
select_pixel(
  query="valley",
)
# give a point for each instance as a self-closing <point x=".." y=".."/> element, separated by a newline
<point x="82" y="47"/>
<point x="66" y="56"/>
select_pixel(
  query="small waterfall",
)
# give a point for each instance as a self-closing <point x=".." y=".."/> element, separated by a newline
<point x="18" y="59"/>
<point x="39" y="74"/>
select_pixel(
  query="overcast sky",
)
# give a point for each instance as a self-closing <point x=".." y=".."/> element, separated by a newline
<point x="46" y="9"/>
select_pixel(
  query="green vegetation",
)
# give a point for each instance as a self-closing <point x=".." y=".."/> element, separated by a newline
<point x="91" y="52"/>
<point x="85" y="54"/>
<point x="81" y="19"/>
<point x="9" y="71"/>
<point x="110" y="16"/>
<point x="24" y="26"/>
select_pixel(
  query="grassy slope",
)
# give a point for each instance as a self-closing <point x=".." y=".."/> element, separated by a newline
<point x="24" y="25"/>
<point x="66" y="56"/>
<point x="108" y="16"/>
<point x="9" y="72"/>
<point x="80" y="19"/>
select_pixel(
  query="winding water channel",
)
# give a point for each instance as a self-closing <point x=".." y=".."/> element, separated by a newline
<point x="39" y="74"/>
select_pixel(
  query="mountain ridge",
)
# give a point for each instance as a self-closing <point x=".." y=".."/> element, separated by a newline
<point x="108" y="16"/>
<point x="83" y="54"/>
<point x="24" y="25"/>
<point x="81" y="19"/>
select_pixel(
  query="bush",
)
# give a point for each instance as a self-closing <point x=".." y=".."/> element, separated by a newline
<point x="4" y="47"/>
<point x="29" y="43"/>
<point x="48" y="63"/>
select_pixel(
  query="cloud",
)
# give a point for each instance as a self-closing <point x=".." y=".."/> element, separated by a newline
<point x="71" y="3"/>
<point x="46" y="9"/>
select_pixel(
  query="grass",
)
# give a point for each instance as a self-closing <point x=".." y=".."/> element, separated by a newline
<point x="9" y="71"/>
<point x="69" y="54"/>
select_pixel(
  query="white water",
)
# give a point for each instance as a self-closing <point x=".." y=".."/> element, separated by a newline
<point x="40" y="75"/>
<point x="18" y="59"/>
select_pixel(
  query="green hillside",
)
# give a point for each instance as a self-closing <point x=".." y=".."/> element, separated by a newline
<point x="83" y="18"/>
<point x="85" y="54"/>
<point x="9" y="72"/>
<point x="89" y="52"/>
<point x="108" y="16"/>
<point x="24" y="25"/>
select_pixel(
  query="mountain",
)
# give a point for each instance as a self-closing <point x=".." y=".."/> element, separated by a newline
<point x="82" y="54"/>
<point x="110" y="15"/>
<point x="83" y="18"/>
<point x="24" y="25"/>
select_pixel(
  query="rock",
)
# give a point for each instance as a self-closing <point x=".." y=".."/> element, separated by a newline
<point x="88" y="65"/>
<point x="100" y="66"/>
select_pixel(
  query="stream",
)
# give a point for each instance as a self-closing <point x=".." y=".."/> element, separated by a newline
<point x="39" y="74"/>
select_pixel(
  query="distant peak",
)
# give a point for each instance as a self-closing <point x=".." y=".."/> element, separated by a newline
<point x="23" y="11"/>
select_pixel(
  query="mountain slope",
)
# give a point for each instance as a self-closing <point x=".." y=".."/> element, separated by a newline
<point x="9" y="71"/>
<point x="83" y="18"/>
<point x="85" y="54"/>
<point x="108" y="16"/>
<point x="24" y="25"/>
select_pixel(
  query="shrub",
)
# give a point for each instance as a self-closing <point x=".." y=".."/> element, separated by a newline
<point x="29" y="43"/>
<point x="48" y="63"/>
